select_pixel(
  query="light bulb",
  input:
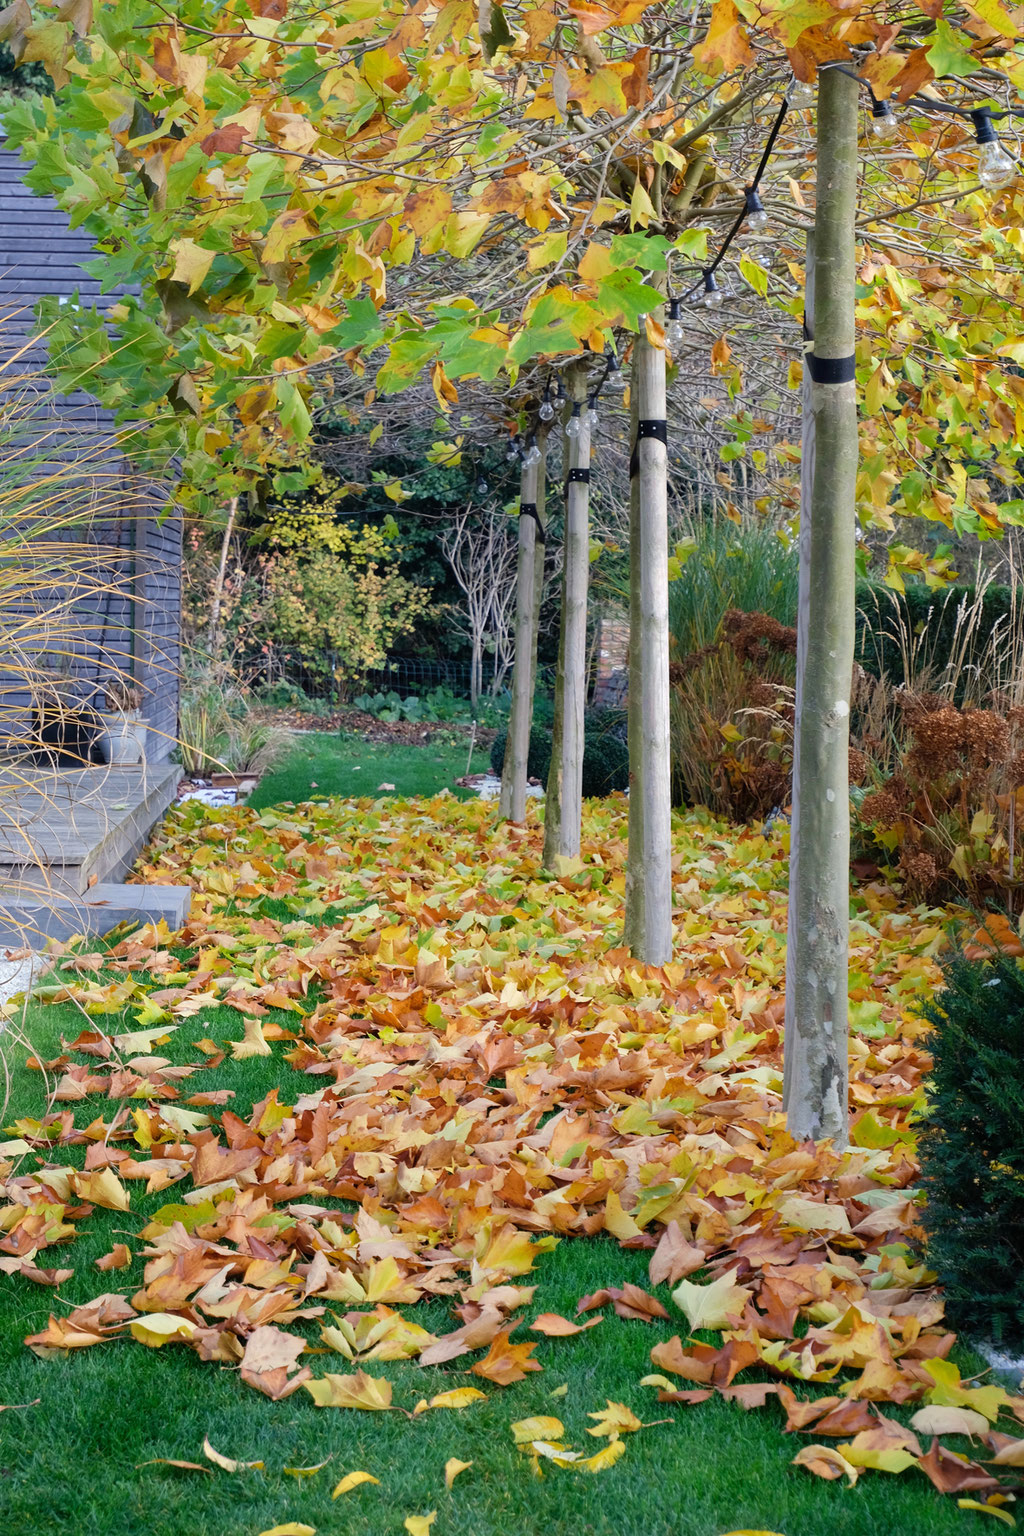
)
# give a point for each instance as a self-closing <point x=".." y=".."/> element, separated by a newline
<point x="675" y="333"/>
<point x="592" y="417"/>
<point x="884" y="122"/>
<point x="572" y="426"/>
<point x="513" y="452"/>
<point x="531" y="456"/>
<point x="995" y="167"/>
<point x="482" y="487"/>
<point x="547" y="411"/>
<point x="757" y="218"/>
<point x="800" y="95"/>
<point x="712" y="293"/>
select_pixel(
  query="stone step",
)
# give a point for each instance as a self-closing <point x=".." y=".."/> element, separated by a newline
<point x="28" y="920"/>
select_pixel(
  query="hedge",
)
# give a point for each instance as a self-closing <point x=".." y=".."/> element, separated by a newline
<point x="605" y="754"/>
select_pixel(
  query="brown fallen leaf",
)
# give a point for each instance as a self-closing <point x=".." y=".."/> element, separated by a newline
<point x="556" y="1327"/>
<point x="169" y="1461"/>
<point x="825" y="1461"/>
<point x="506" y="1362"/>
<point x="119" y="1257"/>
<point x="473" y="1335"/>
<point x="270" y="1360"/>
<point x="951" y="1473"/>
<point x="633" y="1302"/>
<point x="18" y="1407"/>
<point x="800" y="1413"/>
<point x="749" y="1394"/>
<point x="674" y="1258"/>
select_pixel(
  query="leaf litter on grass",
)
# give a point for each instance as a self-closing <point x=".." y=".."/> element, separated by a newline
<point x="491" y="1073"/>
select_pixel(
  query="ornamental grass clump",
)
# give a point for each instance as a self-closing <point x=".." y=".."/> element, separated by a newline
<point x="972" y="1149"/>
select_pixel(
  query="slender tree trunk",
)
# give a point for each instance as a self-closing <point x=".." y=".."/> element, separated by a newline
<point x="649" y="866"/>
<point x="802" y="630"/>
<point x="563" y="805"/>
<point x="512" y="801"/>
<point x="218" y="586"/>
<point x="475" y="671"/>
<point x="817" y="970"/>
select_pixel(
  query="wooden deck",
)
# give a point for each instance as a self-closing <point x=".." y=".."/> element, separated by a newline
<point x="61" y="830"/>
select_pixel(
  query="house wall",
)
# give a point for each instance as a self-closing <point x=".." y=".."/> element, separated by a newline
<point x="112" y="601"/>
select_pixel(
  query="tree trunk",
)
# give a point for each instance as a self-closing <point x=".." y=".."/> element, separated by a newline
<point x="803" y="608"/>
<point x="648" y="928"/>
<point x="218" y="586"/>
<point x="512" y="800"/>
<point x="475" y="671"/>
<point x="817" y="971"/>
<point x="563" y="805"/>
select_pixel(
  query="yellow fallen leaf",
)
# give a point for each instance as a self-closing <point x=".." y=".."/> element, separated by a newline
<point x="306" y="1471"/>
<point x="252" y="1042"/>
<point x="293" y="1528"/>
<point x="614" y="1420"/>
<point x="357" y="1391"/>
<point x="987" y="1509"/>
<point x="227" y="1462"/>
<point x="540" y="1427"/>
<point x="459" y="1397"/>
<point x="169" y="1461"/>
<point x="102" y="1187"/>
<point x="606" y="1457"/>
<point x="419" y="1525"/>
<point x="353" y="1480"/>
<point x="559" y="1391"/>
<point x="452" y="1467"/>
<point x="159" y="1328"/>
<point x="1011" y="1455"/>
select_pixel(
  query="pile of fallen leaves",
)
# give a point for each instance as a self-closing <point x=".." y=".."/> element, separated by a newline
<point x="490" y="1073"/>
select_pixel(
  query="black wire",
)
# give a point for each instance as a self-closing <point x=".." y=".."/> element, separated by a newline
<point x="925" y="103"/>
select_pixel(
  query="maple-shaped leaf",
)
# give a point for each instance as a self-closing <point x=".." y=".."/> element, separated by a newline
<point x="614" y="1420"/>
<point x="555" y="1326"/>
<point x="674" y="1258"/>
<point x="633" y="1302"/>
<point x="270" y="1362"/>
<point x="458" y="1397"/>
<point x="357" y="1391"/>
<point x="718" y="1305"/>
<point x="506" y="1362"/>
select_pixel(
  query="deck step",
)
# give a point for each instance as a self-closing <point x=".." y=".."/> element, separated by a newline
<point x="28" y="920"/>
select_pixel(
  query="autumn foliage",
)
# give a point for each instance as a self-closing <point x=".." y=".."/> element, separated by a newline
<point x="484" y="1072"/>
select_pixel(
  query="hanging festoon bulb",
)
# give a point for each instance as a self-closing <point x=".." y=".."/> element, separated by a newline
<point x="560" y="390"/>
<point x="757" y="217"/>
<point x="615" y="376"/>
<point x="532" y="454"/>
<point x="674" y="329"/>
<point x="592" y="413"/>
<point x="512" y="453"/>
<point x="995" y="167"/>
<point x="713" y="295"/>
<point x="800" y="95"/>
<point x="884" y="122"/>
<point x="547" y="410"/>
<point x="482" y="487"/>
<point x="573" y="425"/>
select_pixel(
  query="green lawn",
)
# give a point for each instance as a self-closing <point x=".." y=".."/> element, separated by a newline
<point x="323" y="764"/>
<point x="69" y="1466"/>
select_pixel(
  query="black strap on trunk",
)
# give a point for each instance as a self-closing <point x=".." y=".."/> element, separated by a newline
<point x="529" y="509"/>
<point x="579" y="476"/>
<point x="827" y="370"/>
<point x="656" y="429"/>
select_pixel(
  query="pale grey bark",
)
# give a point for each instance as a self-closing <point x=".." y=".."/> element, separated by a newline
<point x="218" y="585"/>
<point x="563" y="803"/>
<point x="512" y="800"/>
<point x="802" y="626"/>
<point x="817" y="971"/>
<point x="649" y="865"/>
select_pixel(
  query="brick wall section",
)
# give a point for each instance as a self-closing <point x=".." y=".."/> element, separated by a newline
<point x="611" y="664"/>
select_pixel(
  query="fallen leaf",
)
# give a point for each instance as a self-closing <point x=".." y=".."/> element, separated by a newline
<point x="306" y="1471"/>
<point x="119" y="1257"/>
<point x="825" y="1461"/>
<point x="949" y="1421"/>
<point x="556" y="1327"/>
<point x="458" y="1397"/>
<point x="293" y="1528"/>
<point x="951" y="1473"/>
<point x="182" y="1466"/>
<point x="718" y="1305"/>
<point x="506" y="1362"/>
<point x="452" y="1467"/>
<point x="357" y="1391"/>
<point x="353" y="1480"/>
<point x="614" y="1420"/>
<point x="159" y="1328"/>
<point x="674" y="1258"/>
<point x="987" y="1509"/>
<point x="417" y="1525"/>
<point x="227" y="1463"/>
<point x="541" y="1426"/>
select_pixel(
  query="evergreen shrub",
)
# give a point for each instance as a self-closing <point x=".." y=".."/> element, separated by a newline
<point x="972" y="1149"/>
<point x="605" y="755"/>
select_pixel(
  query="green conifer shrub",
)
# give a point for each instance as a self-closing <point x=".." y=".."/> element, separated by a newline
<point x="972" y="1149"/>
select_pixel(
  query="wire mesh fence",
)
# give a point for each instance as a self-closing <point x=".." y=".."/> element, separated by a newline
<point x="323" y="677"/>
